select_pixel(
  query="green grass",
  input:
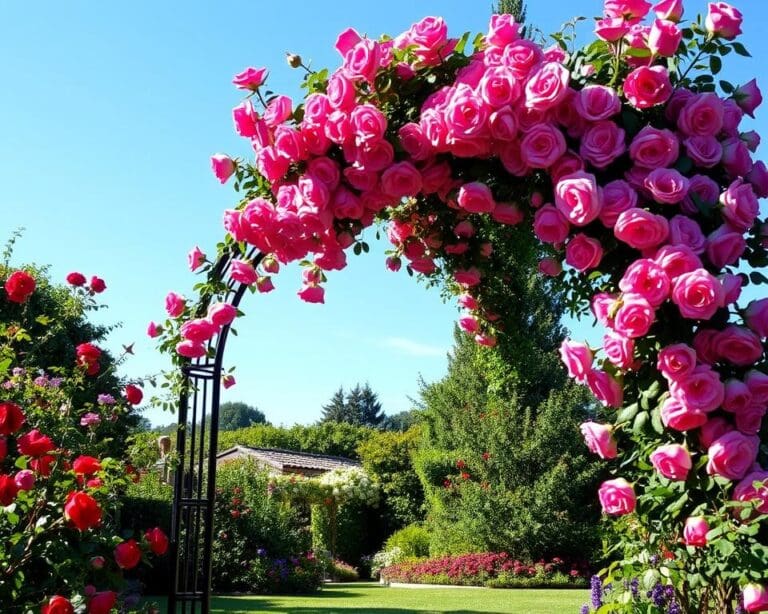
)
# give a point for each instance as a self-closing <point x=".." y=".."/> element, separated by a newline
<point x="377" y="599"/>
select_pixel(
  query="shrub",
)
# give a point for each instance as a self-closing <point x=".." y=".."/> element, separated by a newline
<point x="342" y="572"/>
<point x="413" y="541"/>
<point x="385" y="558"/>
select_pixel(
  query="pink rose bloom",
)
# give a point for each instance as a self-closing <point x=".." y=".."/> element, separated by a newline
<point x="676" y="362"/>
<point x="550" y="225"/>
<point x="368" y="122"/>
<point x="599" y="439"/>
<point x="601" y="143"/>
<point x="731" y="287"/>
<point x="748" y="97"/>
<point x="757" y="381"/>
<point x="618" y="196"/>
<point x="619" y="350"/>
<point x="250" y="79"/>
<point x="191" y="349"/>
<point x="223" y="166"/>
<point x="429" y="39"/>
<point x="677" y="416"/>
<point x="666" y="185"/>
<point x="705" y="189"/>
<point x="740" y="206"/>
<point x="747" y="492"/>
<point x="198" y="330"/>
<point x="597" y="102"/>
<point x="750" y="421"/>
<point x="654" y="148"/>
<point x="685" y="231"/>
<point x="695" y="531"/>
<point x="221" y="314"/>
<point x="469" y="324"/>
<point x="738" y="345"/>
<point x="732" y="455"/>
<point x="702" y="115"/>
<point x="347" y="40"/>
<point x="498" y="87"/>
<point x="414" y="142"/>
<point x="701" y="389"/>
<point x="195" y="258"/>
<point x="476" y="197"/>
<point x="264" y="285"/>
<point x="664" y="38"/>
<point x="611" y="29"/>
<point x="245" y="119"/>
<point x="756" y="317"/>
<point x="243" y="272"/>
<point x="704" y="344"/>
<point x="676" y="260"/>
<point x="705" y="151"/>
<point x="362" y="60"/>
<point x="648" y="279"/>
<point x="631" y="10"/>
<point x="503" y="124"/>
<point x="502" y="30"/>
<point x="754" y="596"/>
<point x="635" y="316"/>
<point x="578" y="198"/>
<point x="174" y="304"/>
<point x="641" y="229"/>
<point x="583" y="253"/>
<point x="736" y="158"/>
<point x="617" y="497"/>
<point x="738" y="397"/>
<point x="647" y="86"/>
<point x="153" y="330"/>
<point x="606" y="389"/>
<point x="547" y="87"/>
<point x="712" y="429"/>
<point x="725" y="246"/>
<point x="312" y="293"/>
<point x="400" y="180"/>
<point x="467" y="301"/>
<point x="669" y="9"/>
<point x="24" y="479"/>
<point x="672" y="461"/>
<point x="228" y="380"/>
<point x="467" y="277"/>
<point x="698" y="294"/>
<point x="577" y="358"/>
<point x="723" y="20"/>
<point x="271" y="164"/>
<point x="550" y="267"/>
<point x="602" y="304"/>
<point x="542" y="145"/>
<point x="90" y="419"/>
<point x="507" y="213"/>
<point x="570" y="163"/>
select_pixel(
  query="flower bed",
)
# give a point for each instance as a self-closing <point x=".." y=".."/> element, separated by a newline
<point x="493" y="569"/>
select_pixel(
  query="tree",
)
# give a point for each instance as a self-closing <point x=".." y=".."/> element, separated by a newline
<point x="400" y="421"/>
<point x="236" y="415"/>
<point x="336" y="409"/>
<point x="359" y="406"/>
<point x="512" y="7"/>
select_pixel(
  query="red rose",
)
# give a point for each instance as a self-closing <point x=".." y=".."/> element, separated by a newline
<point x="8" y="490"/>
<point x="82" y="510"/>
<point x="19" y="286"/>
<point x="102" y="603"/>
<point x="11" y="418"/>
<point x="42" y="465"/>
<point x="133" y="394"/>
<point x="157" y="540"/>
<point x="95" y="483"/>
<point x="76" y="279"/>
<point x="98" y="285"/>
<point x="88" y="356"/>
<point x="3" y="448"/>
<point x="127" y="554"/>
<point x="34" y="444"/>
<point x="57" y="605"/>
<point x="86" y="465"/>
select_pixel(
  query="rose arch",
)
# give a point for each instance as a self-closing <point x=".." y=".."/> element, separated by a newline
<point x="626" y="159"/>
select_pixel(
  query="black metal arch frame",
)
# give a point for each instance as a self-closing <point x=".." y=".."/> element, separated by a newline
<point x="191" y="539"/>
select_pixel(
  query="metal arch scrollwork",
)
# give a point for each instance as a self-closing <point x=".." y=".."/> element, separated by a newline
<point x="192" y="515"/>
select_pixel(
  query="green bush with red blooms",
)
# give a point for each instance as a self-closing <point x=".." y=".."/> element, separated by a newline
<point x="62" y="413"/>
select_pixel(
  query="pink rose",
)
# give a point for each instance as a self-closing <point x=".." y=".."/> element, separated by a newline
<point x="731" y="287"/>
<point x="550" y="267"/>
<point x="740" y="206"/>
<point x="602" y="306"/>
<point x="641" y="229"/>
<point x="245" y="119"/>
<point x="198" y="330"/>
<point x="341" y="92"/>
<point x="469" y="324"/>
<point x="631" y="10"/>
<point x="250" y="79"/>
<point x="611" y="29"/>
<point x="676" y="260"/>
<point x="705" y="151"/>
<point x="704" y="344"/>
<point x="750" y="420"/>
<point x="713" y="429"/>
<point x="583" y="253"/>
<point x="672" y="461"/>
<point x="619" y="350"/>
<point x="725" y="246"/>
<point x="368" y="122"/>
<point x="429" y="40"/>
<point x="647" y="86"/>
<point x="748" y="492"/>
<point x="264" y="285"/>
<point x="578" y="198"/>
<point x="271" y="164"/>
<point x="738" y="345"/>
<point x="677" y="361"/>
<point x="223" y="166"/>
<point x="748" y="97"/>
<point x="174" y="304"/>
<point x="547" y="87"/>
<point x="577" y="358"/>
<point x="754" y="596"/>
<point x="601" y="143"/>
<point x="605" y="388"/>
<point x="222" y="314"/>
<point x="362" y="60"/>
<point x="467" y="301"/>
<point x="695" y="531"/>
<point x="635" y="316"/>
<point x="542" y="145"/>
<point x="666" y="185"/>
<point x="195" y="258"/>
<point x="347" y="40"/>
<point x="654" y="148"/>
<point x="698" y="294"/>
<point x="550" y="225"/>
<point x="467" y="277"/>
<point x="617" y="497"/>
<point x="618" y="196"/>
<point x="243" y="272"/>
<point x="756" y="317"/>
<point x="669" y="9"/>
<point x="413" y="141"/>
<point x="701" y="389"/>
<point x="706" y="191"/>
<point x="685" y="231"/>
<point x="732" y="455"/>
<point x="723" y="20"/>
<point x="736" y="158"/>
<point x="599" y="439"/>
<point x="737" y="396"/>
<point x="191" y="349"/>
<point x="312" y="293"/>
<point x="502" y="30"/>
<point x="154" y="330"/>
<point x="400" y="180"/>
<point x="664" y="38"/>
<point x="507" y="213"/>
<point x="757" y="381"/>
<point x="503" y="124"/>
<point x="677" y="416"/>
<point x="647" y="279"/>
<point x="498" y="87"/>
<point x="476" y="197"/>
<point x="702" y="115"/>
<point x="597" y="102"/>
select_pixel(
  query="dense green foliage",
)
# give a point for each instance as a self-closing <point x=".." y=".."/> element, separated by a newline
<point x="236" y="415"/>
<point x="359" y="406"/>
<point x="412" y="540"/>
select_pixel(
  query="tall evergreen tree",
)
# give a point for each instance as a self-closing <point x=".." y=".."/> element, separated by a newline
<point x="360" y="406"/>
<point x="370" y="407"/>
<point x="336" y="408"/>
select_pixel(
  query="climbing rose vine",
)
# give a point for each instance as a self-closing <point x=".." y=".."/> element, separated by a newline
<point x="628" y="160"/>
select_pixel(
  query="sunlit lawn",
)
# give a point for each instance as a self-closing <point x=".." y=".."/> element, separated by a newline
<point x="377" y="599"/>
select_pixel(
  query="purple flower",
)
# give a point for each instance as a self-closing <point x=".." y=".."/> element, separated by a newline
<point x="596" y="595"/>
<point x="90" y="419"/>
<point x="584" y="609"/>
<point x="55" y="382"/>
<point x="41" y="380"/>
<point x="105" y="399"/>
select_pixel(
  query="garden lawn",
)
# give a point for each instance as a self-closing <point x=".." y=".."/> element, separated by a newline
<point x="377" y="599"/>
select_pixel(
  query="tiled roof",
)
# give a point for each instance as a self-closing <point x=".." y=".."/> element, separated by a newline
<point x="282" y="459"/>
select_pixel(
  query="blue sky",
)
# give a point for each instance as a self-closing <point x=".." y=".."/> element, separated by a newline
<point x="110" y="113"/>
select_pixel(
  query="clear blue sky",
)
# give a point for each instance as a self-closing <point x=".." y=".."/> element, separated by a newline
<point x="110" y="112"/>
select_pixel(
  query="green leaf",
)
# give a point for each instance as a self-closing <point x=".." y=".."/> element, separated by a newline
<point x="626" y="414"/>
<point x="726" y="86"/>
<point x="741" y="50"/>
<point x="715" y="64"/>
<point x="725" y="547"/>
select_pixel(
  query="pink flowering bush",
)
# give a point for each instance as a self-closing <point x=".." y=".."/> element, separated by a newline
<point x="628" y="160"/>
